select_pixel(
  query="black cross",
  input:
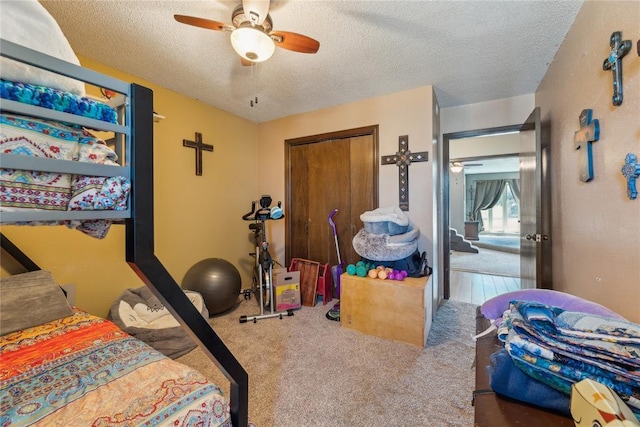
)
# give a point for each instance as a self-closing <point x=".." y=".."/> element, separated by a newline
<point x="403" y="158"/>
<point x="199" y="147"/>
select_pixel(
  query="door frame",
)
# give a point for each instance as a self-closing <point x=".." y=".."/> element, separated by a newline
<point x="444" y="202"/>
<point x="372" y="130"/>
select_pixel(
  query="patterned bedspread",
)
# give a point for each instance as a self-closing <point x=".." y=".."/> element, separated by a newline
<point x="560" y="348"/>
<point x="84" y="370"/>
<point x="21" y="189"/>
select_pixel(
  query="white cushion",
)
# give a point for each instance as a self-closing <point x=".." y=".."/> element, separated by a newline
<point x="29" y="24"/>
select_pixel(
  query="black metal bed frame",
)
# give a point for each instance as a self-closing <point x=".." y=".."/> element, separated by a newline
<point x="140" y="253"/>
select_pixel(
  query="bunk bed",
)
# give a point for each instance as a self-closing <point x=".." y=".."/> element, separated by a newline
<point x="133" y="132"/>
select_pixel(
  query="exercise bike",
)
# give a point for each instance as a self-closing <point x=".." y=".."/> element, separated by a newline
<point x="262" y="281"/>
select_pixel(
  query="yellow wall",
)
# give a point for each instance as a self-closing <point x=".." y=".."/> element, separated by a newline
<point x="595" y="227"/>
<point x="402" y="113"/>
<point x="195" y="217"/>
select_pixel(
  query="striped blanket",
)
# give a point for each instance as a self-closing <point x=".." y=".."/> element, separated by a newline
<point x="560" y="348"/>
<point x="84" y="370"/>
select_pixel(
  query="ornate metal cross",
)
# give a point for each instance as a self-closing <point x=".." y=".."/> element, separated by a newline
<point x="403" y="158"/>
<point x="199" y="147"/>
<point x="619" y="48"/>
<point x="589" y="132"/>
<point x="631" y="171"/>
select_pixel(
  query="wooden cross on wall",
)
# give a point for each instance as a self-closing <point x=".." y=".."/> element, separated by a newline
<point x="199" y="147"/>
<point x="403" y="158"/>
<point x="589" y="132"/>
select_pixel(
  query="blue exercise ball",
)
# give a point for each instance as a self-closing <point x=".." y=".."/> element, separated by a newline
<point x="217" y="280"/>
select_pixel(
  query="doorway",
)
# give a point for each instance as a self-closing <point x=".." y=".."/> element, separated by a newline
<point x="485" y="243"/>
<point x="472" y="157"/>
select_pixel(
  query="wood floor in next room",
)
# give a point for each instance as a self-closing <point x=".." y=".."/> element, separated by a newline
<point x="476" y="288"/>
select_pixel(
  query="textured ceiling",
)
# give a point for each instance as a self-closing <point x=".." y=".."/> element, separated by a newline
<point x="470" y="51"/>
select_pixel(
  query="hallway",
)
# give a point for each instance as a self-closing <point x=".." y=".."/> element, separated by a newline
<point x="476" y="288"/>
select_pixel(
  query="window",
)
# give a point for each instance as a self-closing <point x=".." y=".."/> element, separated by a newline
<point x="504" y="217"/>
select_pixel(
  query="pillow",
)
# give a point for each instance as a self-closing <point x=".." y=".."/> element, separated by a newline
<point x="495" y="307"/>
<point x="29" y="24"/>
<point x="30" y="299"/>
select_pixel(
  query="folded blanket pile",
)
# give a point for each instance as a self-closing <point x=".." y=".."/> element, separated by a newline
<point x="25" y="189"/>
<point x="559" y="348"/>
<point x="54" y="99"/>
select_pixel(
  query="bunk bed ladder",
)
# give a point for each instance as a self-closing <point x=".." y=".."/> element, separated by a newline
<point x="141" y="258"/>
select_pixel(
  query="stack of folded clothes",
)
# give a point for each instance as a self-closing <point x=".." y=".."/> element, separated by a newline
<point x="548" y="349"/>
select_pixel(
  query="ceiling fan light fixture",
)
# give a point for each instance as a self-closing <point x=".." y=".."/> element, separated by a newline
<point x="456" y="167"/>
<point x="256" y="10"/>
<point x="252" y="44"/>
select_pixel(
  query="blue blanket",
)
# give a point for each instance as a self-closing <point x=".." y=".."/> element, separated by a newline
<point x="507" y="380"/>
<point x="54" y="99"/>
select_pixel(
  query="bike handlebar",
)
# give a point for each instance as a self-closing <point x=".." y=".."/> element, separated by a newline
<point x="253" y="209"/>
<point x="263" y="213"/>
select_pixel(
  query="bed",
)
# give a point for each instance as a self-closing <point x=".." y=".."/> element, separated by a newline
<point x="85" y="166"/>
<point x="79" y="369"/>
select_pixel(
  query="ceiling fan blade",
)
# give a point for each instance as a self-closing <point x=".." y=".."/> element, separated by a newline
<point x="295" y="42"/>
<point x="202" y="23"/>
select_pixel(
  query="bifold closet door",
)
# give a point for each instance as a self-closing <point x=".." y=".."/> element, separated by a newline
<point x="326" y="175"/>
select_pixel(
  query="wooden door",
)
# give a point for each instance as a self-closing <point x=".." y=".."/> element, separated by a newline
<point x="535" y="207"/>
<point x="327" y="172"/>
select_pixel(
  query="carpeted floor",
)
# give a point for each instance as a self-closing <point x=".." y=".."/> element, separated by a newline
<point x="487" y="261"/>
<point x="306" y="370"/>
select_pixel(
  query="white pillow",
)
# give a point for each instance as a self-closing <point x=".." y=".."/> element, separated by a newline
<point x="28" y="23"/>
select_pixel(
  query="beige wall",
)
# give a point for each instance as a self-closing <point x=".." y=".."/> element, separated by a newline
<point x="403" y="113"/>
<point x="595" y="227"/>
<point x="482" y="115"/>
<point x="195" y="217"/>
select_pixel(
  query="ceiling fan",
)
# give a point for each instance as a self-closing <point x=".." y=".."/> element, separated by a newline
<point x="459" y="166"/>
<point x="251" y="32"/>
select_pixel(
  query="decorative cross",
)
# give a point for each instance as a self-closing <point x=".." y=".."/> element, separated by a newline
<point x="619" y="49"/>
<point x="403" y="158"/>
<point x="589" y="132"/>
<point x="199" y="147"/>
<point x="631" y="171"/>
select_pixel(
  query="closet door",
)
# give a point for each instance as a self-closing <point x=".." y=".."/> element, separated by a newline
<point x="334" y="171"/>
<point x="363" y="174"/>
<point x="329" y="189"/>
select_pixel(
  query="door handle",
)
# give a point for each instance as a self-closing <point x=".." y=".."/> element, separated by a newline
<point x="537" y="237"/>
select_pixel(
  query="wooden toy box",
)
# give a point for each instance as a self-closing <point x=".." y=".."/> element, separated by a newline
<point x="398" y="310"/>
